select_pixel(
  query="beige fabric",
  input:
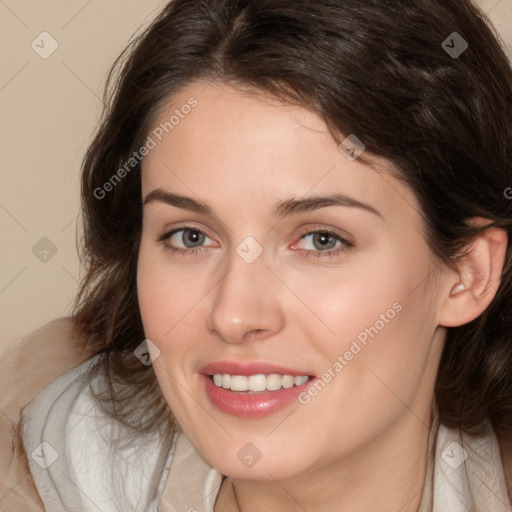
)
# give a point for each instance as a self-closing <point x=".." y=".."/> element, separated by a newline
<point x="50" y="352"/>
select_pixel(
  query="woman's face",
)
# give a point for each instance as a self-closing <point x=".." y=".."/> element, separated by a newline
<point x="267" y="278"/>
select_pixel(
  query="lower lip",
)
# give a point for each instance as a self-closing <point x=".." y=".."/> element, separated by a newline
<point x="256" y="405"/>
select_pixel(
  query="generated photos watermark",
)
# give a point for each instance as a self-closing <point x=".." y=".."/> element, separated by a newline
<point x="151" y="143"/>
<point x="357" y="345"/>
<point x="352" y="147"/>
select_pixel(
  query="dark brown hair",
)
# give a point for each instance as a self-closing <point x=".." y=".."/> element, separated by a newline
<point x="380" y="70"/>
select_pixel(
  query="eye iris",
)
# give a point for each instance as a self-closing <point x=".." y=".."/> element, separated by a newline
<point x="194" y="237"/>
<point x="323" y="238"/>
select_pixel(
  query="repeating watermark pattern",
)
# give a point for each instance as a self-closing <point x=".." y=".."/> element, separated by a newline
<point x="44" y="250"/>
<point x="249" y="455"/>
<point x="147" y="352"/>
<point x="454" y="45"/>
<point x="454" y="455"/>
<point x="508" y="193"/>
<point x="249" y="249"/>
<point x="137" y="156"/>
<point x="351" y="147"/>
<point x="45" y="455"/>
<point x="355" y="348"/>
<point x="44" y="45"/>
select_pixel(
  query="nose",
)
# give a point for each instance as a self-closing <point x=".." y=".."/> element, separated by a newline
<point x="246" y="302"/>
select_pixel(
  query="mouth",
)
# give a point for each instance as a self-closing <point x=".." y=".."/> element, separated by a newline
<point x="253" y="390"/>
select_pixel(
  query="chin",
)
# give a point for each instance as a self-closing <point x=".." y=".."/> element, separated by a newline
<point x="259" y="460"/>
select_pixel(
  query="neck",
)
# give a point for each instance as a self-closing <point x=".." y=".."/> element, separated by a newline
<point x="388" y="474"/>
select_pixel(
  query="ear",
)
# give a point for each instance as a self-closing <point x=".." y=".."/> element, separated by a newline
<point x="467" y="292"/>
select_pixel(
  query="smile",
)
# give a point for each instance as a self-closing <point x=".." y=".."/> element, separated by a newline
<point x="252" y="389"/>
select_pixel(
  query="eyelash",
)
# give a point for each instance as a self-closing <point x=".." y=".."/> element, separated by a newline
<point x="346" y="245"/>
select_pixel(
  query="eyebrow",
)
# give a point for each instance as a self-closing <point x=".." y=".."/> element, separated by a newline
<point x="292" y="206"/>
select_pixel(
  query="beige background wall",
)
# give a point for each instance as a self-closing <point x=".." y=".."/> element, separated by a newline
<point x="48" y="110"/>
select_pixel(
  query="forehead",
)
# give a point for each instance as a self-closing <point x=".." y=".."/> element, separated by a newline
<point x="213" y="139"/>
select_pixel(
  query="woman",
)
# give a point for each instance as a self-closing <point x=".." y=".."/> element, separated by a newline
<point x="298" y="288"/>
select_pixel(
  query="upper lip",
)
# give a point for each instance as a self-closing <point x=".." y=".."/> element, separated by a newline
<point x="248" y="368"/>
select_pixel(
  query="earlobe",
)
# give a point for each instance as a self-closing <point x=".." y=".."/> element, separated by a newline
<point x="471" y="289"/>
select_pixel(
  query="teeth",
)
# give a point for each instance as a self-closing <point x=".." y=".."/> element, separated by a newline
<point x="274" y="382"/>
<point x="288" y="381"/>
<point x="239" y="383"/>
<point x="255" y="383"/>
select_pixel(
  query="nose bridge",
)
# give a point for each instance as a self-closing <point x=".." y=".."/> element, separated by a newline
<point x="244" y="300"/>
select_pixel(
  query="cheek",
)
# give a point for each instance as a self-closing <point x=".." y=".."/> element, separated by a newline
<point x="166" y="293"/>
<point x="163" y="302"/>
<point x="153" y="299"/>
<point x="375" y="367"/>
<point x="359" y="302"/>
<point x="380" y="319"/>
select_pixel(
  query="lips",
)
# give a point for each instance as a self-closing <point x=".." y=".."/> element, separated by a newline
<point x="231" y="376"/>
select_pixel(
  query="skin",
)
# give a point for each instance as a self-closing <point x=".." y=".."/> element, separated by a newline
<point x="363" y="439"/>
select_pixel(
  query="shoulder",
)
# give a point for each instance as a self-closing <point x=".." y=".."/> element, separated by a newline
<point x="39" y="358"/>
<point x="77" y="456"/>
<point x="54" y="427"/>
<point x="473" y="469"/>
<point x="25" y="370"/>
